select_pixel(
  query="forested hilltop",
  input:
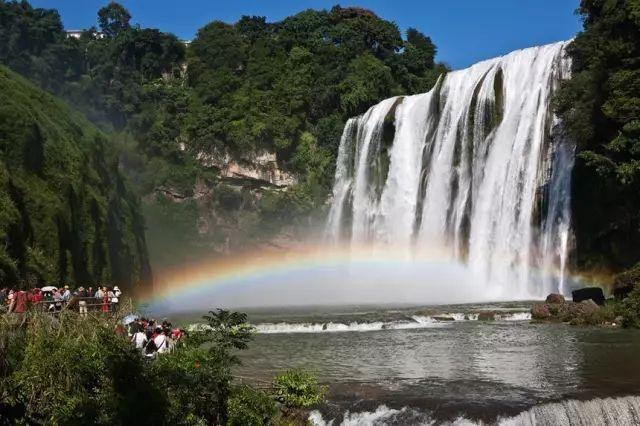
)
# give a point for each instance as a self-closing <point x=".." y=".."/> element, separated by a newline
<point x="231" y="139"/>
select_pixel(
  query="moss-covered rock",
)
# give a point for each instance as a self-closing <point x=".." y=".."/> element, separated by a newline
<point x="540" y="311"/>
<point x="586" y="312"/>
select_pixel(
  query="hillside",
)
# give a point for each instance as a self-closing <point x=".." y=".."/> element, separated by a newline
<point x="66" y="213"/>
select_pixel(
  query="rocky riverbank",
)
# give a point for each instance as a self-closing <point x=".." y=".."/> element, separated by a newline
<point x="585" y="312"/>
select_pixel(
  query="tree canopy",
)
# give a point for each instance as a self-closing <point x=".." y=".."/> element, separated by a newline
<point x="600" y="107"/>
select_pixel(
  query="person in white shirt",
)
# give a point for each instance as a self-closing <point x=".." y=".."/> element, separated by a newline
<point x="162" y="343"/>
<point x="66" y="295"/>
<point x="140" y="339"/>
<point x="99" y="294"/>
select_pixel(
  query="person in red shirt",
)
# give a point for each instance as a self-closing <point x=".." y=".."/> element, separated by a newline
<point x="35" y="296"/>
<point x="105" y="300"/>
<point x="20" y="302"/>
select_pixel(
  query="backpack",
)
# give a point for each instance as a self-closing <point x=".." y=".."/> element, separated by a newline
<point x="150" y="347"/>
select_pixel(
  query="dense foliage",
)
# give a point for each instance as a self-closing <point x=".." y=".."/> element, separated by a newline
<point x="75" y="370"/>
<point x="66" y="213"/>
<point x="600" y="106"/>
<point x="629" y="308"/>
<point x="285" y="87"/>
<point x="299" y="388"/>
<point x="239" y="90"/>
<point x="289" y="86"/>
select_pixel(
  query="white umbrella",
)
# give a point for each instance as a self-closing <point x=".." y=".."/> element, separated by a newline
<point x="49" y="288"/>
<point x="129" y="319"/>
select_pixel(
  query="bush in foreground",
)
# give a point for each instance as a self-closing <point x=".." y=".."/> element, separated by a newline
<point x="299" y="389"/>
<point x="629" y="309"/>
<point x="74" y="370"/>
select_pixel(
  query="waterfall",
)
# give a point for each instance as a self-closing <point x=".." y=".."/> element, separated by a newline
<point x="476" y="168"/>
<point x="605" y="411"/>
<point x="597" y="411"/>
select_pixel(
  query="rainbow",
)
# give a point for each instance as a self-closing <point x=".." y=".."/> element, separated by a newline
<point x="268" y="266"/>
<point x="322" y="275"/>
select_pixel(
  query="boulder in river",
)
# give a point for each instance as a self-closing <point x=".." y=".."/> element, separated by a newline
<point x="486" y="316"/>
<point x="540" y="311"/>
<point x="555" y="298"/>
<point x="593" y="293"/>
<point x="586" y="312"/>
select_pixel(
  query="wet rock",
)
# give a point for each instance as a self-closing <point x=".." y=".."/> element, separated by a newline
<point x="540" y="311"/>
<point x="586" y="312"/>
<point x="555" y="298"/>
<point x="486" y="316"/>
<point x="587" y="307"/>
<point x="442" y="318"/>
<point x="589" y="293"/>
<point x="558" y="310"/>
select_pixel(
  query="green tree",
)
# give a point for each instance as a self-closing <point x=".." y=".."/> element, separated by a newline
<point x="201" y="367"/>
<point x="367" y="79"/>
<point x="419" y="51"/>
<point x="600" y="106"/>
<point x="113" y="19"/>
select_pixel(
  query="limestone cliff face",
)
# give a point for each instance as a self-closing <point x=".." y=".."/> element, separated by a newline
<point x="260" y="169"/>
<point x="241" y="208"/>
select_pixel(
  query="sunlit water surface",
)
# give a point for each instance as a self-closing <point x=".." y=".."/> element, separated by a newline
<point x="476" y="369"/>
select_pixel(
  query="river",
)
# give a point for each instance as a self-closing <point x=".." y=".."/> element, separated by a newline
<point x="410" y="365"/>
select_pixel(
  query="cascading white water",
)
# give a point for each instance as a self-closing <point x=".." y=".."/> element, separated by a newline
<point x="598" y="411"/>
<point x="477" y="167"/>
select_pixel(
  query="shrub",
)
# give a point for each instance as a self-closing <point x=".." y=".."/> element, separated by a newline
<point x="197" y="383"/>
<point x="77" y="370"/>
<point x="625" y="281"/>
<point x="250" y="407"/>
<point x="629" y="309"/>
<point x="82" y="370"/>
<point x="299" y="389"/>
<point x="197" y="374"/>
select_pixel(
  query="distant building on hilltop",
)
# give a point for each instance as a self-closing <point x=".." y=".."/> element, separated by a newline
<point x="78" y="33"/>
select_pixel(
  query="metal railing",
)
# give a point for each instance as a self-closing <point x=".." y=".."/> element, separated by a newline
<point x="77" y="304"/>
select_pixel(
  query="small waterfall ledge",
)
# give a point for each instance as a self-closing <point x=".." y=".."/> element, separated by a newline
<point x="477" y="168"/>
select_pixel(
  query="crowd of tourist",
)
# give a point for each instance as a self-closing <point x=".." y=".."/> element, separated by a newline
<point x="153" y="338"/>
<point x="147" y="335"/>
<point x="53" y="299"/>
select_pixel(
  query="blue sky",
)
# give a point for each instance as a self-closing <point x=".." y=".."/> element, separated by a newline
<point x="465" y="31"/>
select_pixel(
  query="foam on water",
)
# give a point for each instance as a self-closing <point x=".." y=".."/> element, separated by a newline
<point x="606" y="411"/>
<point x="415" y="322"/>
